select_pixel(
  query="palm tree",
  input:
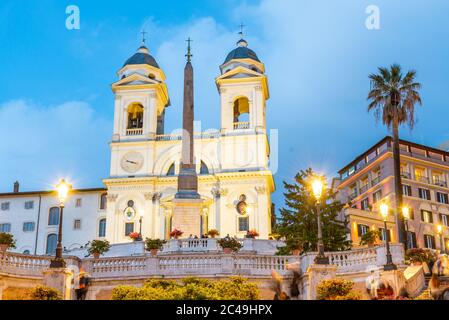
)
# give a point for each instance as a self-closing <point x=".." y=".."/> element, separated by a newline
<point x="393" y="98"/>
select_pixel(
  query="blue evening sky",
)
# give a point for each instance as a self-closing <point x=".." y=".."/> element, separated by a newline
<point x="56" y="105"/>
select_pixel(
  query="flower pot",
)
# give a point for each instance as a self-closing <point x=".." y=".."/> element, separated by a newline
<point x="227" y="250"/>
<point x="153" y="252"/>
<point x="295" y="252"/>
<point x="3" y="248"/>
<point x="96" y="255"/>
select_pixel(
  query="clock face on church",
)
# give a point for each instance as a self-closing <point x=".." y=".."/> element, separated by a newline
<point x="132" y="162"/>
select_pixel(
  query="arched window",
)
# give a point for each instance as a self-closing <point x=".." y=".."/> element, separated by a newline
<point x="204" y="169"/>
<point x="102" y="228"/>
<point x="52" y="241"/>
<point x="103" y="201"/>
<point x="241" y="110"/>
<point x="53" y="216"/>
<point x="26" y="251"/>
<point x="135" y="116"/>
<point x="171" y="170"/>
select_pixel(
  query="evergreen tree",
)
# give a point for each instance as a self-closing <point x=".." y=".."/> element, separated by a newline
<point x="298" y="221"/>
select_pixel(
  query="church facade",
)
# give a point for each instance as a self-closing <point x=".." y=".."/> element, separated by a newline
<point x="232" y="165"/>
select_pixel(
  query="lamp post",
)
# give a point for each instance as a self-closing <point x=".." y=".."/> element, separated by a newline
<point x="317" y="188"/>
<point x="406" y="215"/>
<point x="440" y="232"/>
<point x="389" y="265"/>
<point x="140" y="225"/>
<point x="63" y="188"/>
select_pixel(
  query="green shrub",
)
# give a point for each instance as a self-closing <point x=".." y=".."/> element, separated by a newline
<point x="8" y="239"/>
<point x="337" y="289"/>
<point x="370" y="237"/>
<point x="189" y="289"/>
<point x="98" y="246"/>
<point x="421" y="255"/>
<point x="45" y="293"/>
<point x="231" y="243"/>
<point x="152" y="244"/>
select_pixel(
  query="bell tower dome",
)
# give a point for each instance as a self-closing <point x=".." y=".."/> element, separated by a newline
<point x="141" y="97"/>
<point x="243" y="88"/>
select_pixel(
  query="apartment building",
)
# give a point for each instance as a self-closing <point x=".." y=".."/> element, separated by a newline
<point x="368" y="181"/>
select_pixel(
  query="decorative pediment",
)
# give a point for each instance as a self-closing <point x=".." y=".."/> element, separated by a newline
<point x="135" y="79"/>
<point x="239" y="72"/>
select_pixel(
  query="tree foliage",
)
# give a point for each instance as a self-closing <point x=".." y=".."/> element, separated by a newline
<point x="236" y="288"/>
<point x="298" y="220"/>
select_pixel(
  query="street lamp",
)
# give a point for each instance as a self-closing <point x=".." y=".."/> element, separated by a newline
<point x="141" y="213"/>
<point x="440" y="232"/>
<point x="317" y="188"/>
<point x="63" y="188"/>
<point x="384" y="212"/>
<point x="406" y="215"/>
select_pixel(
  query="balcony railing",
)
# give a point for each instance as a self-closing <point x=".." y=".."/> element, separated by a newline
<point x="363" y="188"/>
<point x="406" y="175"/>
<point x="375" y="181"/>
<point x="134" y="132"/>
<point x="440" y="183"/>
<point x="352" y="195"/>
<point x="241" y="125"/>
<point x="422" y="179"/>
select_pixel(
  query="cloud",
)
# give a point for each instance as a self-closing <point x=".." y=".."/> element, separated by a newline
<point x="47" y="142"/>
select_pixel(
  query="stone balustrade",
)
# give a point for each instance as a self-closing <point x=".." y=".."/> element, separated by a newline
<point x="187" y="257"/>
<point x="357" y="260"/>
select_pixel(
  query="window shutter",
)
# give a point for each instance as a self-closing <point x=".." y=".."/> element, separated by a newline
<point x="359" y="230"/>
<point x="414" y="240"/>
<point x="422" y="215"/>
<point x="433" y="242"/>
<point x="431" y="216"/>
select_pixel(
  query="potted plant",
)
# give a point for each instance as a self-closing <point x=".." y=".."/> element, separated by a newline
<point x="213" y="233"/>
<point x="176" y="233"/>
<point x="229" y="245"/>
<point x="135" y="236"/>
<point x="6" y="242"/>
<point x="419" y="256"/>
<point x="251" y="234"/>
<point x="153" y="245"/>
<point x="98" y="247"/>
<point x="370" y="238"/>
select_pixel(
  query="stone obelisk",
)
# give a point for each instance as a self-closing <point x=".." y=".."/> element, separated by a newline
<point x="187" y="203"/>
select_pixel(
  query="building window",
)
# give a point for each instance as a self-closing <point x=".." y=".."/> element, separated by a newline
<point x="77" y="224"/>
<point x="28" y="226"/>
<point x="53" y="216"/>
<point x="5" y="227"/>
<point x="102" y="228"/>
<point x="243" y="224"/>
<point x="129" y="228"/>
<point x="444" y="220"/>
<point x="407" y="190"/>
<point x="362" y="229"/>
<point x="171" y="170"/>
<point x="377" y="196"/>
<point x="411" y="240"/>
<point x="426" y="216"/>
<point x="26" y="252"/>
<point x="204" y="169"/>
<point x="384" y="234"/>
<point x="442" y="198"/>
<point x="103" y="201"/>
<point x="429" y="241"/>
<point x="52" y="242"/>
<point x="135" y="116"/>
<point x="5" y="206"/>
<point x="29" y="205"/>
<point x="365" y="204"/>
<point x="424" y="193"/>
<point x="78" y="202"/>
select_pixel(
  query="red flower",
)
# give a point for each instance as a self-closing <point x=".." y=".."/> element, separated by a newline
<point x="176" y="233"/>
<point x="134" y="235"/>
<point x="252" y="233"/>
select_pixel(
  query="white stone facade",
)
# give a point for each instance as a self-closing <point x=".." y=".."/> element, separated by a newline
<point x="232" y="164"/>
